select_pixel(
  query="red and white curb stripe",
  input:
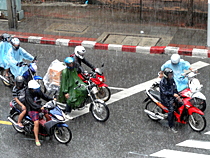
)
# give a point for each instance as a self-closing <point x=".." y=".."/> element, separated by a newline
<point x="203" y="53"/>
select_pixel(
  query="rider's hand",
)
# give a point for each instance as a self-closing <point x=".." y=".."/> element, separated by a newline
<point x="55" y="99"/>
<point x="42" y="108"/>
<point x="67" y="95"/>
<point x="19" y="64"/>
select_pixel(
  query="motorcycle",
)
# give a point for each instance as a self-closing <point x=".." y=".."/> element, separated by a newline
<point x="98" y="78"/>
<point x="56" y="126"/>
<point x="98" y="108"/>
<point x="186" y="113"/>
<point x="28" y="75"/>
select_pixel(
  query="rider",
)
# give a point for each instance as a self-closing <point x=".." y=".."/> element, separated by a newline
<point x="34" y="93"/>
<point x="178" y="66"/>
<point x="73" y="97"/>
<point x="5" y="45"/>
<point x="15" y="56"/>
<point x="18" y="93"/>
<point x="168" y="94"/>
<point x="79" y="57"/>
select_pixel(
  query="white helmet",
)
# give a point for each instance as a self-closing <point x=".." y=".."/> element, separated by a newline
<point x="33" y="84"/>
<point x="80" y="52"/>
<point x="15" y="43"/>
<point x="175" y="58"/>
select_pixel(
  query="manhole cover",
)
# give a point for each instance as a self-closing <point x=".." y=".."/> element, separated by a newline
<point x="67" y="28"/>
<point x="133" y="40"/>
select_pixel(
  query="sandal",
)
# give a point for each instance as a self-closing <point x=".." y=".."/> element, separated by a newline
<point x="38" y="143"/>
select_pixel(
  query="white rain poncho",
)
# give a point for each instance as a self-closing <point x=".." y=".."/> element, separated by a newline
<point x="16" y="56"/>
<point x="4" y="48"/>
<point x="178" y="69"/>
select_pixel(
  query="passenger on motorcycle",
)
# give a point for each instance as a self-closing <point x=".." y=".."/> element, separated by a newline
<point x="5" y="45"/>
<point x="34" y="93"/>
<point x="178" y="66"/>
<point x="73" y="97"/>
<point x="168" y="94"/>
<point x="79" y="57"/>
<point x="18" y="94"/>
<point x="15" y="56"/>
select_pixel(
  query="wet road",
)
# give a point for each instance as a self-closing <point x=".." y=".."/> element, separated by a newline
<point x="127" y="133"/>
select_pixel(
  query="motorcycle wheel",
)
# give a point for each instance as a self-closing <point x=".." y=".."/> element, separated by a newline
<point x="152" y="107"/>
<point x="3" y="72"/>
<point x="43" y="88"/>
<point x="100" y="111"/>
<point x="197" y="122"/>
<point x="104" y="93"/>
<point x="201" y="104"/>
<point x="15" y="118"/>
<point x="62" y="134"/>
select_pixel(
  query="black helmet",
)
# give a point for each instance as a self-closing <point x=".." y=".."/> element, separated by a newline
<point x="5" y="37"/>
<point x="20" y="82"/>
<point x="166" y="73"/>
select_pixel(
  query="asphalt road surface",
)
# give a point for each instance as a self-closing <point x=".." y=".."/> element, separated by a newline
<point x="128" y="132"/>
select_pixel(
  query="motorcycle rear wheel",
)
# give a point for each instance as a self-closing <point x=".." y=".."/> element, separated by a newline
<point x="3" y="72"/>
<point x="197" y="122"/>
<point x="62" y="134"/>
<point x="152" y="107"/>
<point x="15" y="118"/>
<point x="100" y="111"/>
<point x="104" y="93"/>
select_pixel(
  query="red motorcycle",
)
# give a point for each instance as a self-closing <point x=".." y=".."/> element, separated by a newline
<point x="187" y="113"/>
<point x="98" y="78"/>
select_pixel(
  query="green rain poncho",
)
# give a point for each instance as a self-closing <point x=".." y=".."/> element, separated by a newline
<point x="76" y="96"/>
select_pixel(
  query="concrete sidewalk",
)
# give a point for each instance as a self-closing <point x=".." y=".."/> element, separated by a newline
<point x="99" y="28"/>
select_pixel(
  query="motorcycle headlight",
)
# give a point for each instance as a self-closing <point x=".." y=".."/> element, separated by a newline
<point x="94" y="90"/>
<point x="101" y="79"/>
<point x="61" y="118"/>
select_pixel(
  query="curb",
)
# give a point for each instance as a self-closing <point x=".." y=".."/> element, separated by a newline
<point x="194" y="52"/>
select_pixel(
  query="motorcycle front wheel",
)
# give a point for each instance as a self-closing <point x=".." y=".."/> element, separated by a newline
<point x="100" y="111"/>
<point x="200" y="104"/>
<point x="62" y="134"/>
<point x="104" y="93"/>
<point x="197" y="122"/>
<point x="43" y="88"/>
<point x="15" y="118"/>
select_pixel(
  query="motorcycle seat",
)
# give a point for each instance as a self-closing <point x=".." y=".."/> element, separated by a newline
<point x="155" y="94"/>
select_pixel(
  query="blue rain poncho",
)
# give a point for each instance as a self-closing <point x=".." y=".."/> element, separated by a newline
<point x="178" y="69"/>
<point x="16" y="56"/>
<point x="4" y="48"/>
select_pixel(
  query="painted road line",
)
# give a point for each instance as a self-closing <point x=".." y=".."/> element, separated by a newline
<point x="195" y="144"/>
<point x="178" y="154"/>
<point x="207" y="133"/>
<point x="5" y="122"/>
<point x="117" y="88"/>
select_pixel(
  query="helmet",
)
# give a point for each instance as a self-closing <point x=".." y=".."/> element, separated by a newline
<point x="5" y="37"/>
<point x="80" y="52"/>
<point x="32" y="84"/>
<point x="68" y="61"/>
<point x="175" y="58"/>
<point x="168" y="73"/>
<point x="19" y="82"/>
<point x="15" y="43"/>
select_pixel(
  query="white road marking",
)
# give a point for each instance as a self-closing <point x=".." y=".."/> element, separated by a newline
<point x="178" y="154"/>
<point x="207" y="133"/>
<point x="117" y="88"/>
<point x="195" y="144"/>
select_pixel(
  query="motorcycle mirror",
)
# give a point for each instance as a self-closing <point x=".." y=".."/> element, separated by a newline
<point x="102" y="65"/>
<point x="77" y="82"/>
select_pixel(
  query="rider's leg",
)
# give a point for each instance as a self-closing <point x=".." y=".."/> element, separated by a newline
<point x="22" y="114"/>
<point x="7" y="72"/>
<point x="36" y="130"/>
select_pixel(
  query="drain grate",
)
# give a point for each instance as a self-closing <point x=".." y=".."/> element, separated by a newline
<point x="67" y="28"/>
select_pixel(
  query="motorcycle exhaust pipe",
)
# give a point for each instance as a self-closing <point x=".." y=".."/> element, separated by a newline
<point x="12" y="121"/>
<point x="153" y="114"/>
